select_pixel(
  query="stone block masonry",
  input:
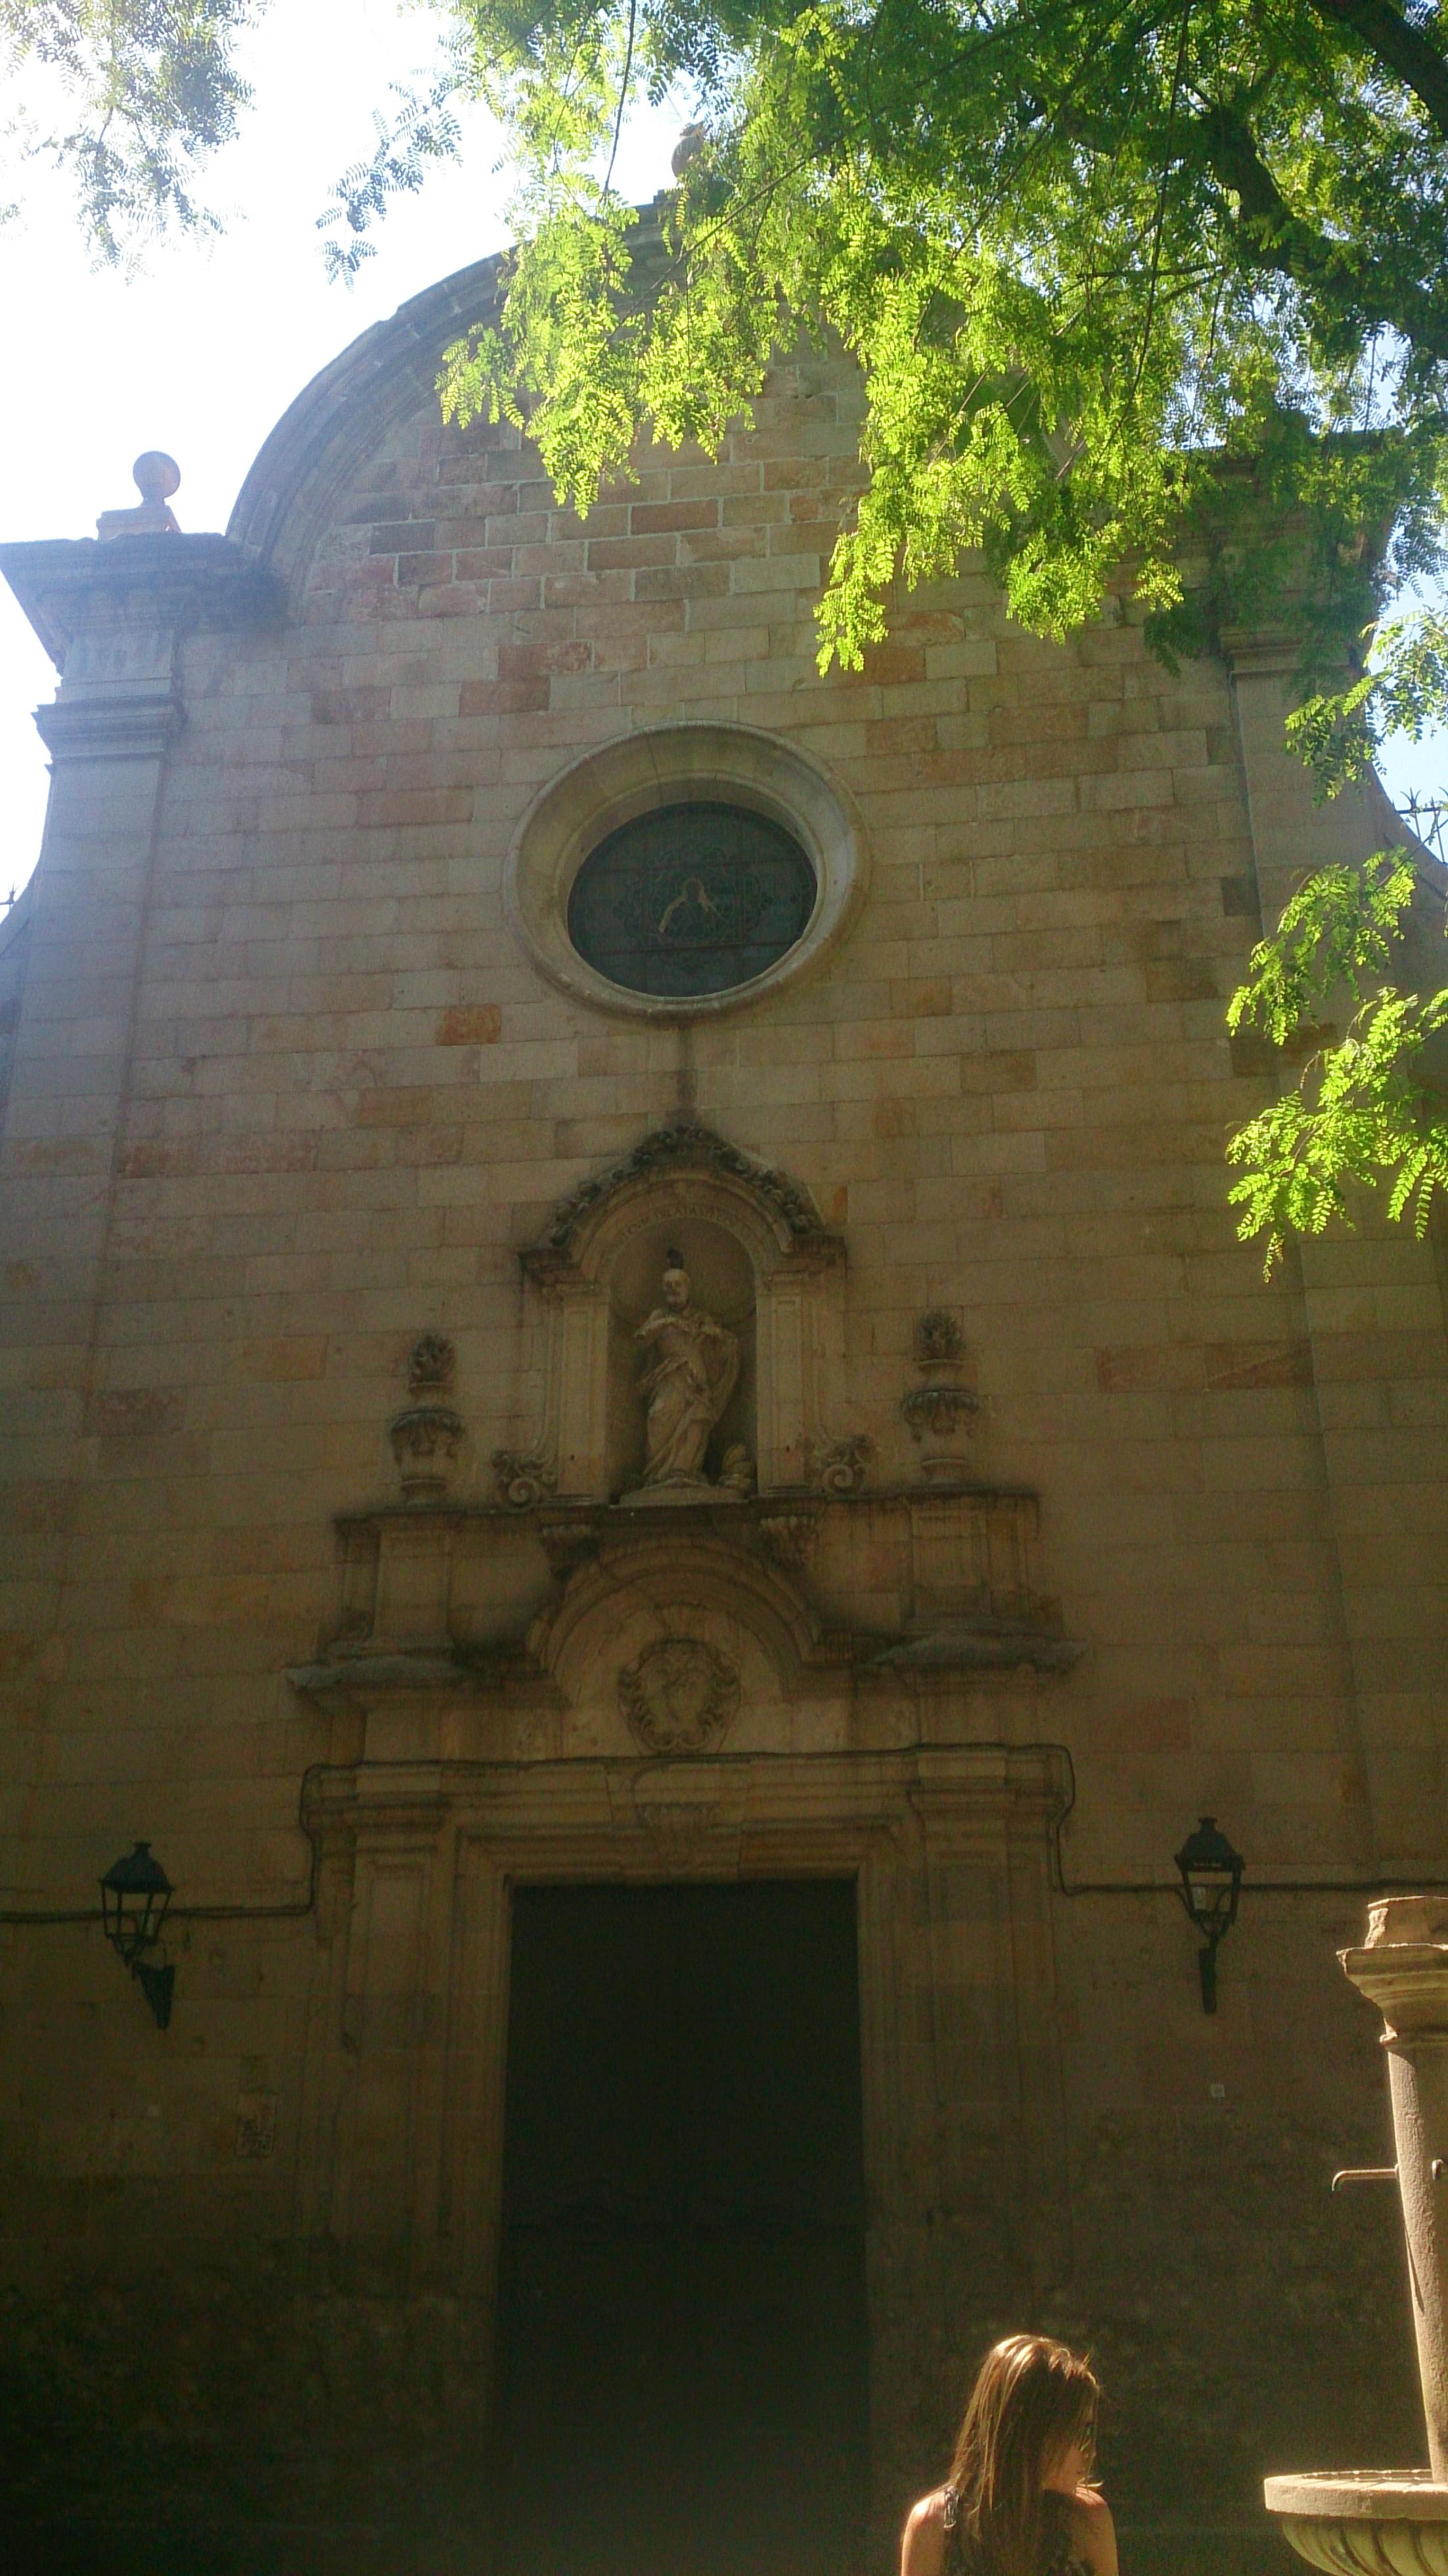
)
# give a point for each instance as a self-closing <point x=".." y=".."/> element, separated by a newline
<point x="288" y="1087"/>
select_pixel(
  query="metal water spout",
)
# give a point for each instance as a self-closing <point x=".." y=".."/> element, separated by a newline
<point x="1394" y="2522"/>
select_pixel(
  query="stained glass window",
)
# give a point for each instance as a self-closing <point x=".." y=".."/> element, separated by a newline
<point x="691" y="899"/>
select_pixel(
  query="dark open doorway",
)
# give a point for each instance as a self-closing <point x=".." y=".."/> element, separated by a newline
<point x="682" y="2306"/>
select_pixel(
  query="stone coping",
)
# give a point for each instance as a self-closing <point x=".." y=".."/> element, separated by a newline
<point x="1358" y="2495"/>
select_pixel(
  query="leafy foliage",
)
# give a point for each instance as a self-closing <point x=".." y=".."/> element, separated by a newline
<point x="1337" y="929"/>
<point x="1361" y="1114"/>
<point x="1143" y="283"/>
<point x="149" y="88"/>
<point x="1365" y="1108"/>
<point x="1090" y="258"/>
<point x="1403" y="691"/>
<point x="1361" y="1110"/>
<point x="422" y="129"/>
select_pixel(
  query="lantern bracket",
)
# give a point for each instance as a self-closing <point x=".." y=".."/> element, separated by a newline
<point x="158" y="1985"/>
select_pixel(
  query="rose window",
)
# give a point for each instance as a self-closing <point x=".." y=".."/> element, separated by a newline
<point x="691" y="899"/>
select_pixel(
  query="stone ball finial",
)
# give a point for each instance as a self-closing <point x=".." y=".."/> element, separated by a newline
<point x="156" y="476"/>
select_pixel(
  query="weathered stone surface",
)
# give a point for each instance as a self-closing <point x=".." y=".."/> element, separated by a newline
<point x="290" y="1089"/>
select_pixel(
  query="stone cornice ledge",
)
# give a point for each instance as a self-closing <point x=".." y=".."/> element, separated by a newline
<point x="115" y="727"/>
<point x="501" y="1672"/>
<point x="957" y="1645"/>
<point x="177" y="582"/>
<point x="970" y="1782"/>
<point x="777" y="1531"/>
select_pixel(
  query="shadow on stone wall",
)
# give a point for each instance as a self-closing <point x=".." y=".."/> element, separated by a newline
<point x="203" y="2421"/>
<point x="215" y="2426"/>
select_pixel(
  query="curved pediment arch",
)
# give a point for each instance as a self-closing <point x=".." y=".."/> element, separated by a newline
<point x="698" y="1170"/>
<point x="340" y="418"/>
<point x="664" y="1583"/>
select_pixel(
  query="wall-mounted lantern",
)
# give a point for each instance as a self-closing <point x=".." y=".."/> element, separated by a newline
<point x="135" y="1893"/>
<point x="1211" y="1875"/>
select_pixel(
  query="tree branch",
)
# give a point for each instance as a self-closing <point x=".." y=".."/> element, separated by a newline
<point x="1272" y="236"/>
<point x="1402" y="48"/>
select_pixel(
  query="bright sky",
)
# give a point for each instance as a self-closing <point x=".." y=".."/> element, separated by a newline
<point x="202" y="352"/>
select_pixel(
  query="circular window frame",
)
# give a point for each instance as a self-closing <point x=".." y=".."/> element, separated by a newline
<point x="680" y="765"/>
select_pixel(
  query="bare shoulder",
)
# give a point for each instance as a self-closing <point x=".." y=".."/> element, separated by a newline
<point x="922" y="2549"/>
<point x="1093" y="2533"/>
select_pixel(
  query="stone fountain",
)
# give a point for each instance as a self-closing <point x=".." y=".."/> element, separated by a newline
<point x="1394" y="2522"/>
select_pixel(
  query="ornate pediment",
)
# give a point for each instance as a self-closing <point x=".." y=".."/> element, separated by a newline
<point x="685" y="1147"/>
<point x="684" y="1543"/>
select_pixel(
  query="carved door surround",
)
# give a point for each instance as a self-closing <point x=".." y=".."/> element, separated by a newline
<point x="681" y="1173"/>
<point x="808" y="1680"/>
<point x="950" y="1850"/>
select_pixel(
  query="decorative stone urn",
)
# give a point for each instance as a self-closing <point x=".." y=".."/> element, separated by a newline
<point x="425" y="1441"/>
<point x="1394" y="2522"/>
<point x="940" y="1412"/>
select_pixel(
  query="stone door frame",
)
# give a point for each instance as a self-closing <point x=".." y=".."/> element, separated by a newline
<point x="950" y="1849"/>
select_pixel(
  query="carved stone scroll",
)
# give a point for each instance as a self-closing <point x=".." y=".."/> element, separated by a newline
<point x="523" y="1478"/>
<point x="842" y="1464"/>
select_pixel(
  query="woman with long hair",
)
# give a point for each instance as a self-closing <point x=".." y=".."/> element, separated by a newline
<point x="1019" y="2499"/>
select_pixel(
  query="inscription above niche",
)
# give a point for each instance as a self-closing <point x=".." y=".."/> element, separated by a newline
<point x="694" y="1328"/>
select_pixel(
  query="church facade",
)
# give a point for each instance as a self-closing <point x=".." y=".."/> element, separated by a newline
<point x="639" y="1445"/>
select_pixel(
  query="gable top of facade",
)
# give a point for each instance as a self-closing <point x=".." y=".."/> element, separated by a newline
<point x="337" y="420"/>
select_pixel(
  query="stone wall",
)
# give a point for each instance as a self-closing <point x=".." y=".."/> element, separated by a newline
<point x="289" y="1089"/>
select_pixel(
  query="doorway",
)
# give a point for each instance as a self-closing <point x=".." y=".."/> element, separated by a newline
<point x="681" y="2292"/>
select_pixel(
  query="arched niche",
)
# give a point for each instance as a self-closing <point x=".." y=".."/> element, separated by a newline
<point x="761" y="1259"/>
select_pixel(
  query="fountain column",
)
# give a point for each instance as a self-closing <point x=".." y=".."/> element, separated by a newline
<point x="1402" y="1967"/>
<point x="1394" y="2522"/>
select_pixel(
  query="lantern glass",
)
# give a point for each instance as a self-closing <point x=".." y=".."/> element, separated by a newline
<point x="1211" y="1876"/>
<point x="135" y="1893"/>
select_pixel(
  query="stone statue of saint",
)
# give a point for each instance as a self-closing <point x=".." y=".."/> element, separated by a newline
<point x="693" y="1364"/>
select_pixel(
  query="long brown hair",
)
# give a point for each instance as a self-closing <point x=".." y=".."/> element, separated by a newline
<point x="1032" y="2399"/>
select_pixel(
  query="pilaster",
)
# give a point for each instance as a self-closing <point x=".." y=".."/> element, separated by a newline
<point x="1289" y="831"/>
<point x="113" y="616"/>
<point x="1373" y="1310"/>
